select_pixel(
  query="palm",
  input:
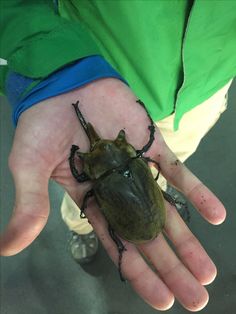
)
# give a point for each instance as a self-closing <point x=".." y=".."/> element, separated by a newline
<point x="41" y="149"/>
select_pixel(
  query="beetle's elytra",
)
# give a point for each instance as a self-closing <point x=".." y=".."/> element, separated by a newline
<point x="123" y="185"/>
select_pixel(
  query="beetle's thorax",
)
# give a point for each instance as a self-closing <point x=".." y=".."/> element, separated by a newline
<point x="106" y="155"/>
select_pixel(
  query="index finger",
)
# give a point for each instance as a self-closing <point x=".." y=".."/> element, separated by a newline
<point x="178" y="175"/>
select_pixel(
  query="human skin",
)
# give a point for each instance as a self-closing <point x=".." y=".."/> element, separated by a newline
<point x="40" y="151"/>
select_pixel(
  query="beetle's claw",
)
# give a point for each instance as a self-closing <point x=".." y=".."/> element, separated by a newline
<point x="82" y="214"/>
<point x="181" y="207"/>
<point x="121" y="248"/>
<point x="119" y="266"/>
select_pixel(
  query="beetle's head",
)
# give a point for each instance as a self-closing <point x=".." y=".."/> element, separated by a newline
<point x="105" y="155"/>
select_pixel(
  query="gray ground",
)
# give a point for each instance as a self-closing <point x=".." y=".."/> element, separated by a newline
<point x="44" y="279"/>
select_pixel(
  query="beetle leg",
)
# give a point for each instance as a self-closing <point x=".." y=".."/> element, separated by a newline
<point x="80" y="117"/>
<point x="181" y="207"/>
<point x="151" y="128"/>
<point x="80" y="177"/>
<point x="88" y="128"/>
<point x="121" y="248"/>
<point x="148" y="159"/>
<point x="89" y="194"/>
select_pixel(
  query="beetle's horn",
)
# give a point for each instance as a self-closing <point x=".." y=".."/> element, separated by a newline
<point x="121" y="136"/>
<point x="92" y="134"/>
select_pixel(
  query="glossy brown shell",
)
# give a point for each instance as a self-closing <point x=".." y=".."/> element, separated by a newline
<point x="132" y="202"/>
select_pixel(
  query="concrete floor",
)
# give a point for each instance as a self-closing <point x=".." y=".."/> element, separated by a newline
<point x="44" y="279"/>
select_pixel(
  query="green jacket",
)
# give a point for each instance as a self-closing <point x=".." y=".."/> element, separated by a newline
<point x="174" y="54"/>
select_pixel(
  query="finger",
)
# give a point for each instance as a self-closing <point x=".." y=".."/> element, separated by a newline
<point x="30" y="213"/>
<point x="144" y="281"/>
<point x="178" y="175"/>
<point x="189" y="292"/>
<point x="188" y="248"/>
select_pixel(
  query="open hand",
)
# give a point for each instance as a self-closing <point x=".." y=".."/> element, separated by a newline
<point x="40" y="151"/>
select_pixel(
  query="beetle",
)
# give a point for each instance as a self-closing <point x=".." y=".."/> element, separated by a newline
<point x="123" y="185"/>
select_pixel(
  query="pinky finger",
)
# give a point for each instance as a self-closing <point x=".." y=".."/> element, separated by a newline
<point x="142" y="278"/>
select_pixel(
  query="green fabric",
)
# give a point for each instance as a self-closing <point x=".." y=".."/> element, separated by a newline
<point x="174" y="55"/>
<point x="35" y="41"/>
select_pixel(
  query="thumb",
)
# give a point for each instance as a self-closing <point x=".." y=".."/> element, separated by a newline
<point x="30" y="213"/>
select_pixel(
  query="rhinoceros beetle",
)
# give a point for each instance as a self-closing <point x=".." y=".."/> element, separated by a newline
<point x="123" y="185"/>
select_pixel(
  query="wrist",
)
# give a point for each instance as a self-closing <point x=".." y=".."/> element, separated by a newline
<point x="24" y="92"/>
